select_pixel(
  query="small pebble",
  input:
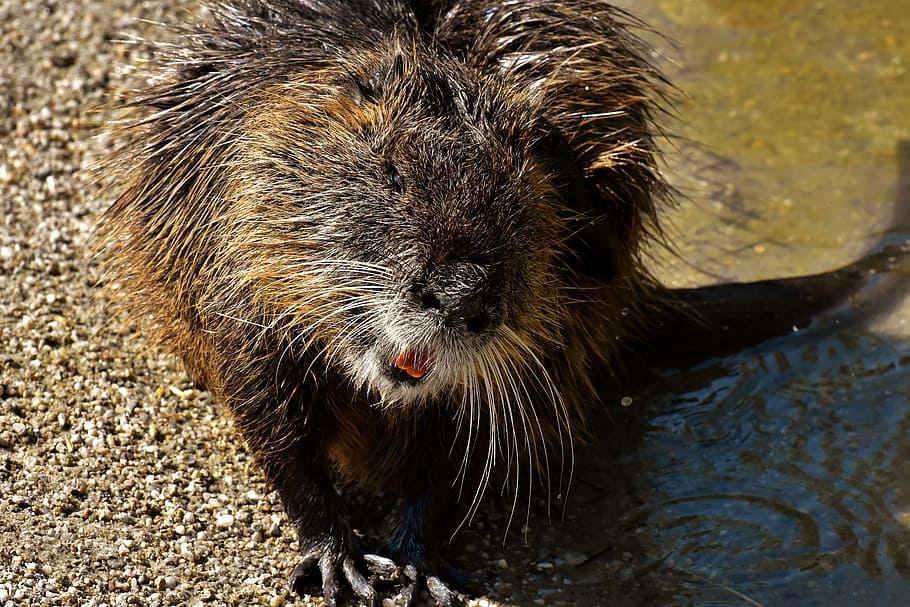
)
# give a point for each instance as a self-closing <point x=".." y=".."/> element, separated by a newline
<point x="154" y="433"/>
<point x="170" y="582"/>
<point x="224" y="521"/>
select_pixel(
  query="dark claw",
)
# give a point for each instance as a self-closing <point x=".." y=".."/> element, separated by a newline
<point x="359" y="584"/>
<point x="332" y="567"/>
<point x="301" y="578"/>
<point x="380" y="565"/>
<point x="410" y="585"/>
<point x="440" y="592"/>
<point x="329" y="582"/>
<point x="415" y="579"/>
<point x="410" y="573"/>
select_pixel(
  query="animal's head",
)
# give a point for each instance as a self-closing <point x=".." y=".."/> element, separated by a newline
<point x="405" y="215"/>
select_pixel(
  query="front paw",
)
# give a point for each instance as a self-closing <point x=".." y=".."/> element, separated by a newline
<point x="417" y="578"/>
<point x="335" y="566"/>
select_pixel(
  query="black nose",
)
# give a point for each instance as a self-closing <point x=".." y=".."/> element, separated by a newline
<point x="463" y="293"/>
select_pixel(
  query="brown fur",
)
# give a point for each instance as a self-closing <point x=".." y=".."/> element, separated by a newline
<point x="258" y="234"/>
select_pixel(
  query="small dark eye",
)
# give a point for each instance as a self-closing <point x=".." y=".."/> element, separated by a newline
<point x="367" y="89"/>
<point x="396" y="179"/>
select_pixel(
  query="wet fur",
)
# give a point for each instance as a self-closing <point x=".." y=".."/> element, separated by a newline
<point x="261" y="233"/>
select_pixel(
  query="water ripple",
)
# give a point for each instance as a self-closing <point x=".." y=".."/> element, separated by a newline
<point x="785" y="469"/>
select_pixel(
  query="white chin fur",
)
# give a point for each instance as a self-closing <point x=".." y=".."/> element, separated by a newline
<point x="369" y="372"/>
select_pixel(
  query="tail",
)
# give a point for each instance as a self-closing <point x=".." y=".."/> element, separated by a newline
<point x="689" y="324"/>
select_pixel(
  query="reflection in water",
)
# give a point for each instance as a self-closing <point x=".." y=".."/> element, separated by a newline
<point x="787" y="477"/>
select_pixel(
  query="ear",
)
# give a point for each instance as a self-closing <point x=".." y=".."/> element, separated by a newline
<point x="595" y="241"/>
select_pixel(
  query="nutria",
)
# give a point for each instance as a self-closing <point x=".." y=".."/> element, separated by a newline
<point x="399" y="241"/>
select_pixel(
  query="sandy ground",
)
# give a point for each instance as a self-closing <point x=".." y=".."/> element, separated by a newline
<point x="116" y="484"/>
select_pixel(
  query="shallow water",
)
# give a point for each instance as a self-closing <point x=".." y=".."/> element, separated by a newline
<point x="781" y="475"/>
<point x="794" y="110"/>
<point x="785" y="474"/>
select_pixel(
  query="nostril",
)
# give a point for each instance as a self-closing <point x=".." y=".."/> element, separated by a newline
<point x="477" y="323"/>
<point x="459" y="295"/>
<point x="475" y="314"/>
<point x="429" y="301"/>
